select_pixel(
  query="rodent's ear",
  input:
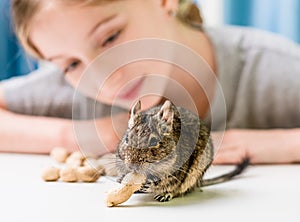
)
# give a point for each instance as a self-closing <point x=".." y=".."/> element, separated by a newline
<point x="134" y="110"/>
<point x="166" y="112"/>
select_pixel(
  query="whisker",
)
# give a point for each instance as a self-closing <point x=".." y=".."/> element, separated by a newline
<point x="112" y="164"/>
<point x="161" y="175"/>
<point x="181" y="170"/>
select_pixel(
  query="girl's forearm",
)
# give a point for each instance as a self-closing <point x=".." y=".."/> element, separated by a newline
<point x="29" y="134"/>
<point x="293" y="144"/>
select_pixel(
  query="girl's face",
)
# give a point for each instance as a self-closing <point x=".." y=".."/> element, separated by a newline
<point x="73" y="36"/>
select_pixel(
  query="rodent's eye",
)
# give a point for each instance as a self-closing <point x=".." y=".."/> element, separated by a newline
<point x="153" y="141"/>
<point x="126" y="139"/>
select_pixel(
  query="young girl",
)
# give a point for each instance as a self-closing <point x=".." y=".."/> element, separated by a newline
<point x="258" y="72"/>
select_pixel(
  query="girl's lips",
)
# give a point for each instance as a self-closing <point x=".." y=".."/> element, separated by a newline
<point x="132" y="90"/>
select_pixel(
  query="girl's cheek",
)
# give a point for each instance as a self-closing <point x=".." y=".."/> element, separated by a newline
<point x="74" y="77"/>
<point x="71" y="80"/>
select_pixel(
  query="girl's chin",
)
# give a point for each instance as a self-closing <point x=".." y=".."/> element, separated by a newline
<point x="150" y="101"/>
<point x="147" y="102"/>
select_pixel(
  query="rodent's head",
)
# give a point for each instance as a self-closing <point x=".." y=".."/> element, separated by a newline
<point x="148" y="147"/>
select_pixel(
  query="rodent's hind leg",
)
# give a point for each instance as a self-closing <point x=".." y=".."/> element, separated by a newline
<point x="164" y="197"/>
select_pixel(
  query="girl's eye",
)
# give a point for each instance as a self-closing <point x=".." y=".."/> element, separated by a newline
<point x="71" y="67"/>
<point x="112" y="38"/>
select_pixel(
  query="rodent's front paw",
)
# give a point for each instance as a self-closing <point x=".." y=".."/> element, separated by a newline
<point x="163" y="197"/>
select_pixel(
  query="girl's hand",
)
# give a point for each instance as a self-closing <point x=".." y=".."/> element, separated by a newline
<point x="262" y="146"/>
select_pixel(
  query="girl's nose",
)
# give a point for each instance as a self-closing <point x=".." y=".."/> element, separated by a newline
<point x="88" y="58"/>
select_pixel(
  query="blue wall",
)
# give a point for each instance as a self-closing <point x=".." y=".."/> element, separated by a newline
<point x="280" y="16"/>
<point x="13" y="60"/>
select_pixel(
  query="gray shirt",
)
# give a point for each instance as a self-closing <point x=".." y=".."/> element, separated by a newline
<point x="45" y="92"/>
<point x="259" y="74"/>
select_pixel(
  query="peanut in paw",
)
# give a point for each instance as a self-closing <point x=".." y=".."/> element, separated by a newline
<point x="59" y="154"/>
<point x="51" y="174"/>
<point x="133" y="182"/>
<point x="88" y="174"/>
<point x="69" y="174"/>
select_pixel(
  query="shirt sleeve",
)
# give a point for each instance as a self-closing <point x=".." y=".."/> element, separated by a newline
<point x="43" y="92"/>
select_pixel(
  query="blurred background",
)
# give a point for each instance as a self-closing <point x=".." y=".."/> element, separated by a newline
<point x="13" y="61"/>
<point x="279" y="16"/>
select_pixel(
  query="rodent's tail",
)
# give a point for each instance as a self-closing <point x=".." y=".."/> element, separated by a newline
<point x="228" y="176"/>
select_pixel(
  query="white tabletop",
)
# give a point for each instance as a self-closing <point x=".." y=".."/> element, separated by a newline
<point x="263" y="193"/>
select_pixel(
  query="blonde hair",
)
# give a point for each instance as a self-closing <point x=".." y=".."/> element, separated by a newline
<point x="189" y="13"/>
<point x="23" y="12"/>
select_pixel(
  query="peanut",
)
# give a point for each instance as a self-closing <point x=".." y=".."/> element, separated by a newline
<point x="51" y="174"/>
<point x="132" y="183"/>
<point x="59" y="154"/>
<point x="75" y="159"/>
<point x="77" y="155"/>
<point x="88" y="174"/>
<point x="69" y="174"/>
<point x="76" y="168"/>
